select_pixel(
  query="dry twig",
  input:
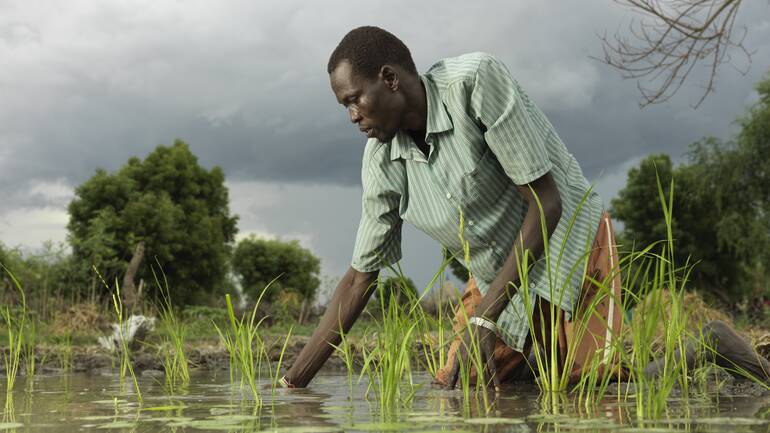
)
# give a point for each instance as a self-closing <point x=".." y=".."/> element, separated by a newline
<point x="671" y="38"/>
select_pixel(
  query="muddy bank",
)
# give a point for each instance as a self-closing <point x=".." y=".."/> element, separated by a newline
<point x="203" y="355"/>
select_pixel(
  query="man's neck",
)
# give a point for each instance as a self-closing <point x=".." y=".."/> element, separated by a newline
<point x="415" y="117"/>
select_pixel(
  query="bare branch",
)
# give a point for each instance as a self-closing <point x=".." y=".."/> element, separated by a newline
<point x="670" y="40"/>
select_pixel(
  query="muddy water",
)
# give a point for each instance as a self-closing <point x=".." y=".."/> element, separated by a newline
<point x="95" y="402"/>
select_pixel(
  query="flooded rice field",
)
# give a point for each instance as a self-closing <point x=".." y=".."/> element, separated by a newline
<point x="96" y="402"/>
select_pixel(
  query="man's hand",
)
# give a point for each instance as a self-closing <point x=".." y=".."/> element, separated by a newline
<point x="477" y="342"/>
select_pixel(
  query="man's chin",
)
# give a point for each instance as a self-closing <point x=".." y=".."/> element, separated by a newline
<point x="385" y="136"/>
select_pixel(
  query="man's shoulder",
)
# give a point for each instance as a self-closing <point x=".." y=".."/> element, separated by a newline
<point x="460" y="68"/>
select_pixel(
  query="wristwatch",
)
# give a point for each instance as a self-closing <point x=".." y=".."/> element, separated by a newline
<point x="484" y="323"/>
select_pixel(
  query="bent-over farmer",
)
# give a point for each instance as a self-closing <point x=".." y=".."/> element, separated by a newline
<point x="464" y="139"/>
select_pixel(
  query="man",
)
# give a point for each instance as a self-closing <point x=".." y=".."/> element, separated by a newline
<point x="464" y="142"/>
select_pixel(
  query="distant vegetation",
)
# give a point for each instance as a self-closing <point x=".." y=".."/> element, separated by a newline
<point x="180" y="210"/>
<point x="169" y="202"/>
<point x="721" y="215"/>
<point x="258" y="261"/>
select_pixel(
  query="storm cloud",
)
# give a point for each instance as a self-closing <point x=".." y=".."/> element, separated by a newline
<point x="89" y="84"/>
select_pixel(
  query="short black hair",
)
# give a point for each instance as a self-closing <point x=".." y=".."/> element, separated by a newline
<point x="368" y="48"/>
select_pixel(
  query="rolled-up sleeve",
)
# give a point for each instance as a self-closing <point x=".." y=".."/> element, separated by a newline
<point x="512" y="133"/>
<point x="378" y="242"/>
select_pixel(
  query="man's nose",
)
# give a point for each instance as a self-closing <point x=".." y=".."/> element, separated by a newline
<point x="354" y="116"/>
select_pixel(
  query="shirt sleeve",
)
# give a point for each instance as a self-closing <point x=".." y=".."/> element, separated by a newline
<point x="378" y="242"/>
<point x="512" y="132"/>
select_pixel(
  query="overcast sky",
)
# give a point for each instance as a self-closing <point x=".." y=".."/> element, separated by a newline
<point x="88" y="84"/>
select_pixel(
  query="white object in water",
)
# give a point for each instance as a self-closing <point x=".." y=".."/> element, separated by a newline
<point x="136" y="327"/>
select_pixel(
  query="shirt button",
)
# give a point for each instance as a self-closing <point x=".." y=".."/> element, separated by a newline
<point x="470" y="223"/>
<point x="493" y="243"/>
<point x="448" y="195"/>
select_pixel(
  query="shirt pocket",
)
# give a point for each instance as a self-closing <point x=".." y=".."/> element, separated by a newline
<point x="486" y="181"/>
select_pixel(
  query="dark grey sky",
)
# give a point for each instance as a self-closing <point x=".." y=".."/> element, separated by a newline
<point x="88" y="84"/>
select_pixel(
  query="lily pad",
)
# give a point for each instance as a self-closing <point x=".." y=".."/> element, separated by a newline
<point x="646" y="430"/>
<point x="388" y="426"/>
<point x="220" y="411"/>
<point x="545" y="417"/>
<point x="206" y="424"/>
<point x="169" y="419"/>
<point x="164" y="408"/>
<point x="118" y="424"/>
<point x="102" y="417"/>
<point x="234" y="418"/>
<point x="730" y="421"/>
<point x="435" y="419"/>
<point x="306" y="429"/>
<point x="494" y="421"/>
<point x="582" y="424"/>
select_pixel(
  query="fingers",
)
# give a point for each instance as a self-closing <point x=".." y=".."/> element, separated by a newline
<point x="492" y="369"/>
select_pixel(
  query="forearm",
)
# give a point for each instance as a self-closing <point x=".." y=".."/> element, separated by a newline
<point x="349" y="299"/>
<point x="529" y="240"/>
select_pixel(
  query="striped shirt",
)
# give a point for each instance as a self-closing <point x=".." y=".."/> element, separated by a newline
<point x="484" y="137"/>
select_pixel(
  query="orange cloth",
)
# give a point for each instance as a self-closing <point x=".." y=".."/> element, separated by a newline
<point x="592" y="330"/>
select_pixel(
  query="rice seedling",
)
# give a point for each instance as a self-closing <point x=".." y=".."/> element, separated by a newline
<point x="655" y="275"/>
<point x="173" y="344"/>
<point x="555" y="364"/>
<point x="64" y="352"/>
<point x="473" y="362"/>
<point x="345" y="351"/>
<point x="388" y="364"/>
<point x="124" y="353"/>
<point x="16" y="324"/>
<point x="276" y="374"/>
<point x="239" y="340"/>
<point x="244" y="345"/>
<point x="30" y="349"/>
<point x="433" y="346"/>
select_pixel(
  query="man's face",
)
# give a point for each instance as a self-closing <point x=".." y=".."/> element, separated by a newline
<point x="372" y="103"/>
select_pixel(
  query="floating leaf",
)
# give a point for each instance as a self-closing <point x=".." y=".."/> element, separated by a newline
<point x="492" y="421"/>
<point x="169" y="419"/>
<point x="731" y="421"/>
<point x="306" y="429"/>
<point x="235" y="418"/>
<point x="164" y="408"/>
<point x="435" y="419"/>
<point x="103" y="417"/>
<point x="118" y="424"/>
<point x="206" y="424"/>
<point x="646" y="430"/>
<point x="389" y="426"/>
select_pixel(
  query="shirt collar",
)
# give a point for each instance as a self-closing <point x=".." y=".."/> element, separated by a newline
<point x="438" y="121"/>
<point x="438" y="118"/>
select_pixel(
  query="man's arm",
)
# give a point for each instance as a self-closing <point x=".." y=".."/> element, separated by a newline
<point x="349" y="299"/>
<point x="530" y="238"/>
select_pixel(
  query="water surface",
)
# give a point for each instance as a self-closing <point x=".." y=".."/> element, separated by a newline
<point x="96" y="402"/>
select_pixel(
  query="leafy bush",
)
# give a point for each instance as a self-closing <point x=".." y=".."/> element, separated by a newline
<point x="179" y="209"/>
<point x="258" y="261"/>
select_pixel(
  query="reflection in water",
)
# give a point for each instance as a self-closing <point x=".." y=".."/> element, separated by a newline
<point x="211" y="403"/>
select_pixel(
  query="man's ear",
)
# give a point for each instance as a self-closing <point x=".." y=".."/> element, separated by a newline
<point x="389" y="76"/>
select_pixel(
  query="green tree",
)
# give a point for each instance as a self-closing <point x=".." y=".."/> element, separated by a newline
<point x="257" y="261"/>
<point x="638" y="206"/>
<point x="178" y="208"/>
<point x="721" y="214"/>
